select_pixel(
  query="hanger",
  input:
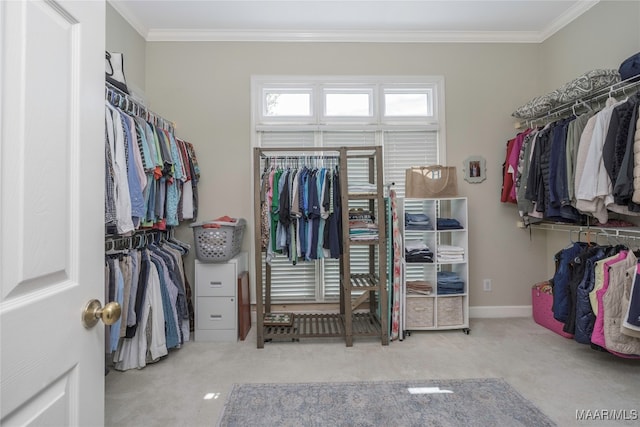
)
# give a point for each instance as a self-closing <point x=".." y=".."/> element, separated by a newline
<point x="610" y="99"/>
<point x="588" y="235"/>
<point x="179" y="245"/>
<point x="118" y="246"/>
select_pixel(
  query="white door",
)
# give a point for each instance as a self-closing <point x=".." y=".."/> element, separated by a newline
<point x="51" y="211"/>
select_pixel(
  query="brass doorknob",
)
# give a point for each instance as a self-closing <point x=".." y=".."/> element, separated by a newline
<point x="94" y="311"/>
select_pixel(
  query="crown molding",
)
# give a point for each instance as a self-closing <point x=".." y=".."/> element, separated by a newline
<point x="130" y="17"/>
<point x="346" y="36"/>
<point x="563" y="20"/>
<point x="155" y="35"/>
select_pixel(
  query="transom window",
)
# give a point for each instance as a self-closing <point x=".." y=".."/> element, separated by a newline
<point x="405" y="115"/>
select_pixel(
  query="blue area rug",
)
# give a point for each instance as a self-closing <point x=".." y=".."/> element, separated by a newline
<point x="469" y="402"/>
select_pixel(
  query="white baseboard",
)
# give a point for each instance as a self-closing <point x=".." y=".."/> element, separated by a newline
<point x="480" y="312"/>
<point x="499" y="311"/>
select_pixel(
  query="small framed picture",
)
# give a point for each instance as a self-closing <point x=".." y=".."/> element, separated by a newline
<point x="475" y="169"/>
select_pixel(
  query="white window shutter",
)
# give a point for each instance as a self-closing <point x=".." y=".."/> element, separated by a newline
<point x="403" y="149"/>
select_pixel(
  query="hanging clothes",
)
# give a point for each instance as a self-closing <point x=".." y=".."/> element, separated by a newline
<point x="591" y="296"/>
<point x="577" y="167"/>
<point x="301" y="211"/>
<point x="151" y="287"/>
<point x="151" y="176"/>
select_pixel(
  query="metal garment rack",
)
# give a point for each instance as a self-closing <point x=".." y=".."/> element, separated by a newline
<point x="625" y="87"/>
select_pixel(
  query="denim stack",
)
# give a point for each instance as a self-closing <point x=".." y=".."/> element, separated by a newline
<point x="417" y="221"/>
<point x="449" y="283"/>
<point x="449" y="224"/>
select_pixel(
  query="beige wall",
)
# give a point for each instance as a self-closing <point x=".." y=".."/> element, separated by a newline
<point x="602" y="37"/>
<point x="205" y="88"/>
<point x="122" y="38"/>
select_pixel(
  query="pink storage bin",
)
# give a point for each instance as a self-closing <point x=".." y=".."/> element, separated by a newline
<point x="542" y="303"/>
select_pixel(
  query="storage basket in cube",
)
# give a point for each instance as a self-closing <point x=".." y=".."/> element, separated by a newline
<point x="218" y="241"/>
<point x="419" y="312"/>
<point x="450" y="311"/>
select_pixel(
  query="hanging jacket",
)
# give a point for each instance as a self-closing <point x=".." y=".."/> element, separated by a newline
<point x="524" y="206"/>
<point x="578" y="267"/>
<point x="623" y="187"/>
<point x="584" y="316"/>
<point x="561" y="278"/>
<point x="559" y="207"/>
<point x="611" y="269"/>
<point x="636" y="160"/>
<point x="537" y="181"/>
<point x="594" y="192"/>
<point x="614" y="339"/>
<point x="631" y="300"/>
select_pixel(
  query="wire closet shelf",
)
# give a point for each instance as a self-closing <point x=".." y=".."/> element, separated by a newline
<point x="593" y="101"/>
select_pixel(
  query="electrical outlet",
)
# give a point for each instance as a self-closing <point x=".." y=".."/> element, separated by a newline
<point x="486" y="283"/>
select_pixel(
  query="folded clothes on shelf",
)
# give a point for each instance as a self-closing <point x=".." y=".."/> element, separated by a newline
<point x="449" y="282"/>
<point x="417" y="221"/>
<point x="419" y="287"/>
<point x="362" y="225"/>
<point x="448" y="224"/>
<point x="417" y="251"/>
<point x="410" y="245"/>
<point x="362" y="187"/>
<point x="419" y="255"/>
<point x="449" y="253"/>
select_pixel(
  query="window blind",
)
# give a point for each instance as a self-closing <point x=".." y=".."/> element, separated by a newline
<point x="403" y="149"/>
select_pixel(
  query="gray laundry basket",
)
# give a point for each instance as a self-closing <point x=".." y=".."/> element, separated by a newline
<point x="218" y="241"/>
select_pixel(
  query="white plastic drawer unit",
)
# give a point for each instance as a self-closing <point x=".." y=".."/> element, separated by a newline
<point x="215" y="280"/>
<point x="216" y="313"/>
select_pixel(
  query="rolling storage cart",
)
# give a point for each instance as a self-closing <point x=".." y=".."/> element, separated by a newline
<point x="436" y="270"/>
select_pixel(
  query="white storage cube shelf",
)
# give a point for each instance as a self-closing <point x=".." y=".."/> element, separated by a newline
<point x="435" y="311"/>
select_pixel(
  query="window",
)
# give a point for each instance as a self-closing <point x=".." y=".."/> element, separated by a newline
<point x="284" y="103"/>
<point x="408" y="103"/>
<point x="405" y="115"/>
<point x="348" y="103"/>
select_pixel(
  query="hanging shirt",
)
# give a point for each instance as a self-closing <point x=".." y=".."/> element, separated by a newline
<point x="115" y="134"/>
<point x="594" y="192"/>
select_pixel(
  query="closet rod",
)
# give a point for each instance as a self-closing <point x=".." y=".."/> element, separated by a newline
<point x="118" y="98"/>
<point x="298" y="157"/>
<point x="625" y="233"/>
<point x="368" y="148"/>
<point x="625" y="87"/>
<point x="139" y="236"/>
<point x="289" y="151"/>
